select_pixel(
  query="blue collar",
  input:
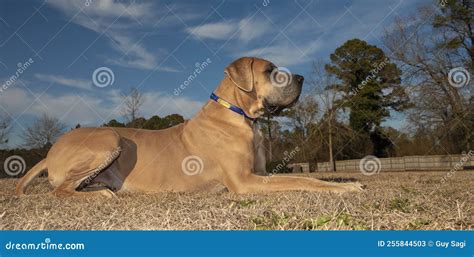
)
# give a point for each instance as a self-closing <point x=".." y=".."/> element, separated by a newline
<point x="231" y="107"/>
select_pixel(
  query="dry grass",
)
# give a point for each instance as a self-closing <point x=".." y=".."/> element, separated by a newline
<point x="391" y="201"/>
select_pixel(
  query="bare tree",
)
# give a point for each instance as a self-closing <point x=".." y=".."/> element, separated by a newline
<point x="43" y="132"/>
<point x="303" y="114"/>
<point x="4" y="128"/>
<point x="428" y="47"/>
<point x="270" y="129"/>
<point x="132" y="103"/>
<point x="323" y="84"/>
<point x="301" y="117"/>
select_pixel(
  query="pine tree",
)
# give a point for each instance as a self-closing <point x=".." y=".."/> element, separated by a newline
<point x="370" y="85"/>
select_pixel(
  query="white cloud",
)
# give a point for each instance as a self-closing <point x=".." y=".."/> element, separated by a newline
<point x="114" y="8"/>
<point x="284" y="54"/>
<point x="76" y="83"/>
<point x="91" y="109"/>
<point x="15" y="100"/>
<point x="106" y="8"/>
<point x="250" y="29"/>
<point x="140" y="57"/>
<point x="157" y="103"/>
<point x="217" y="30"/>
<point x="120" y="22"/>
<point x="245" y="29"/>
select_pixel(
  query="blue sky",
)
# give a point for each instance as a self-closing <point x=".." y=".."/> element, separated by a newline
<point x="155" y="46"/>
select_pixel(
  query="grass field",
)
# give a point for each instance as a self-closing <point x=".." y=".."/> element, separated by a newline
<point x="399" y="201"/>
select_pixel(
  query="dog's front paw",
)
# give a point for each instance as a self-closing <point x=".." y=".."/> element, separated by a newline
<point x="354" y="187"/>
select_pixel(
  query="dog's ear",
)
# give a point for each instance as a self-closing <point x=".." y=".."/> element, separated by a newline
<point x="240" y="73"/>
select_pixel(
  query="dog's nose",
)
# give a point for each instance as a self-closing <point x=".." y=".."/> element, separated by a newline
<point x="299" y="78"/>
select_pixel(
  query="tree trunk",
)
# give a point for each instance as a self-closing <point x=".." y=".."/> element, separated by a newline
<point x="270" y="151"/>
<point x="332" y="164"/>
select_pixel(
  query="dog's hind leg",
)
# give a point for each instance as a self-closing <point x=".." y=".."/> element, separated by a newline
<point x="79" y="180"/>
<point x="79" y="157"/>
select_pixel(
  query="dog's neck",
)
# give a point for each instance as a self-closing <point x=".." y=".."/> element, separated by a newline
<point x="247" y="101"/>
<point x="232" y="94"/>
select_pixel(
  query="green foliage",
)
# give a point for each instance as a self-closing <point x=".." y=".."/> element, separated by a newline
<point x="246" y="202"/>
<point x="341" y="220"/>
<point x="456" y="21"/>
<point x="418" y="223"/>
<point x="270" y="220"/>
<point x="154" y="123"/>
<point x="136" y="123"/>
<point x="114" y="123"/>
<point x="457" y="16"/>
<point x="317" y="223"/>
<point x="370" y="85"/>
<point x="366" y="76"/>
<point x="400" y="205"/>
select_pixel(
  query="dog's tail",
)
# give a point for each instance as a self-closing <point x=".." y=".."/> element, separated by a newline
<point x="30" y="175"/>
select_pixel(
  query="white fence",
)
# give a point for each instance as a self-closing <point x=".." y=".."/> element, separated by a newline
<point x="408" y="163"/>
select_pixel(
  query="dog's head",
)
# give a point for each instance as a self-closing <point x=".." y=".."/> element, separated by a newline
<point x="271" y="88"/>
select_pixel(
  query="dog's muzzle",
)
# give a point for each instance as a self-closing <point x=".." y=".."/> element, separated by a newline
<point x="295" y="92"/>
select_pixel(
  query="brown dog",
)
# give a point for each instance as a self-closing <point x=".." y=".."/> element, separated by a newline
<point x="218" y="147"/>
